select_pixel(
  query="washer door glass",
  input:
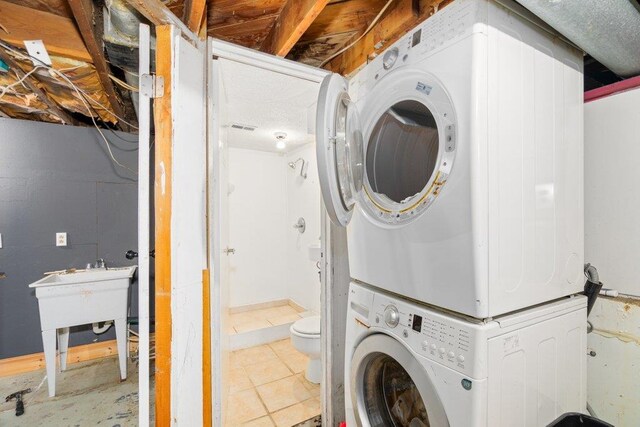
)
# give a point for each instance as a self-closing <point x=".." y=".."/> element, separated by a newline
<point x="391" y="397"/>
<point x="390" y="387"/>
<point x="402" y="152"/>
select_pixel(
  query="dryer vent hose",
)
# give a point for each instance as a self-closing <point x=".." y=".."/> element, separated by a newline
<point x="592" y="287"/>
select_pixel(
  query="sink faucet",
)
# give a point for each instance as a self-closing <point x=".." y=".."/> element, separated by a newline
<point x="99" y="263"/>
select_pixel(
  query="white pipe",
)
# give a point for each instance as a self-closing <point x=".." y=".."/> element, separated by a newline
<point x="609" y="292"/>
<point x="98" y="330"/>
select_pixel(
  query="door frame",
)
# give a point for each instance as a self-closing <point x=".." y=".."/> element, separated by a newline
<point x="333" y="240"/>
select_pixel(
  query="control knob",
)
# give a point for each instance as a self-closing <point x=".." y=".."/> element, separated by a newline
<point x="391" y="316"/>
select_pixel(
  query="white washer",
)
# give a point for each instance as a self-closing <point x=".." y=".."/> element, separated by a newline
<point x="411" y="365"/>
<point x="462" y="184"/>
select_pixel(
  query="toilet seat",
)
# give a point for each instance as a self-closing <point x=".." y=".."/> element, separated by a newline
<point x="307" y="326"/>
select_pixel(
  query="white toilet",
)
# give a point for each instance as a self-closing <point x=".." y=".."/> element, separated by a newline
<point x="305" y="337"/>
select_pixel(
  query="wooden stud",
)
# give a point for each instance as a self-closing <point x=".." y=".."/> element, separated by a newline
<point x="83" y="13"/>
<point x="159" y="14"/>
<point x="206" y="351"/>
<point x="397" y="21"/>
<point x="294" y="20"/>
<point x="59" y="35"/>
<point x="162" y="194"/>
<point x="32" y="84"/>
<point x="194" y="11"/>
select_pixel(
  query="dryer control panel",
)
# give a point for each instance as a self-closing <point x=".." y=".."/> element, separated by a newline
<point x="444" y="28"/>
<point x="445" y="338"/>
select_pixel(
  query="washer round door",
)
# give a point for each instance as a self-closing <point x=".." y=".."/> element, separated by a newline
<point x="390" y="388"/>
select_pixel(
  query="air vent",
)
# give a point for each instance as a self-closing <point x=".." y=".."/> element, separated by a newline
<point x="243" y="127"/>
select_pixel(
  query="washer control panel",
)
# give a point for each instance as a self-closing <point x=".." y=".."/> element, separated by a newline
<point x="442" y="337"/>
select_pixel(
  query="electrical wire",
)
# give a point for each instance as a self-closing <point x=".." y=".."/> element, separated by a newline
<point x="19" y="82"/>
<point x="374" y="22"/>
<point x="53" y="72"/>
<point x="124" y="84"/>
<point x="48" y="67"/>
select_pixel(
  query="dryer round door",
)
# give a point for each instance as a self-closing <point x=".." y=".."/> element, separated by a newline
<point x="410" y="144"/>
<point x="390" y="388"/>
<point x="339" y="149"/>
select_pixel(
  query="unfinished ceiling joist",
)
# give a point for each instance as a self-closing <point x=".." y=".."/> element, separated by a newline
<point x="401" y="17"/>
<point x="194" y="11"/>
<point x="83" y="13"/>
<point x="33" y="86"/>
<point x="159" y="14"/>
<point x="59" y="34"/>
<point x="294" y="20"/>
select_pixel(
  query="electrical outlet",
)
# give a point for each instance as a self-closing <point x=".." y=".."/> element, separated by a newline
<point x="61" y="239"/>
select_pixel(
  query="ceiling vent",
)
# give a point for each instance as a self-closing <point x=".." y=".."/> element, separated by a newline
<point x="243" y="127"/>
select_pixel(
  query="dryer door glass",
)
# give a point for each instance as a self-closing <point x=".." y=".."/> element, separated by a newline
<point x="391" y="397"/>
<point x="339" y="149"/>
<point x="402" y="152"/>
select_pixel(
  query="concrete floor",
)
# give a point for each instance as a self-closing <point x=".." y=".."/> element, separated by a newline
<point x="87" y="394"/>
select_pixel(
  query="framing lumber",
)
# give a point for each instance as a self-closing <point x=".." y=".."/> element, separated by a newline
<point x="32" y="84"/>
<point x="294" y="20"/>
<point x="59" y="34"/>
<point x="207" y="408"/>
<point x="35" y="361"/>
<point x="83" y="13"/>
<point x="397" y="21"/>
<point x="194" y="12"/>
<point x="159" y="14"/>
<point x="163" y="191"/>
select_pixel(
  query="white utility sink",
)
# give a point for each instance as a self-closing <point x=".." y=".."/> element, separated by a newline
<point x="80" y="298"/>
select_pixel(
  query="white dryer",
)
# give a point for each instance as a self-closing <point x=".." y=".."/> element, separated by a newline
<point x="411" y="365"/>
<point x="455" y="162"/>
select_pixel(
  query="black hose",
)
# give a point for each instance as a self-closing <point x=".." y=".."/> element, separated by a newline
<point x="592" y="286"/>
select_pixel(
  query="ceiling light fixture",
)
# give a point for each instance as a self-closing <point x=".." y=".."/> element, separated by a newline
<point x="280" y="144"/>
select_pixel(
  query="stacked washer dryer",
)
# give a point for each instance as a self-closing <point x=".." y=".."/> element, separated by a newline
<point x="454" y="159"/>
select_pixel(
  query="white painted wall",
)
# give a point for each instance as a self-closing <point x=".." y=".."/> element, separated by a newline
<point x="266" y="198"/>
<point x="303" y="197"/>
<point x="257" y="224"/>
<point x="612" y="244"/>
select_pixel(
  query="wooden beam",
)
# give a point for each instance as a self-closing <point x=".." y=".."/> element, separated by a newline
<point x="193" y="14"/>
<point x="83" y="13"/>
<point x="207" y="419"/>
<point x="60" y="35"/>
<point x="159" y="14"/>
<point x="401" y="17"/>
<point x="295" y="18"/>
<point x="163" y="190"/>
<point x="32" y="84"/>
<point x="35" y="361"/>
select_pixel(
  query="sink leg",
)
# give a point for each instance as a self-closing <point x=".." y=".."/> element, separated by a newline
<point x="49" y="344"/>
<point x="121" y="338"/>
<point x="63" y="345"/>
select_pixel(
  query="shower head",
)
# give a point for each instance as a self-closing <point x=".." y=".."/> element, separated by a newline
<point x="303" y="169"/>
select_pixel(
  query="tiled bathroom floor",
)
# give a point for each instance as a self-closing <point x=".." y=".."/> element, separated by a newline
<point x="262" y="318"/>
<point x="268" y="387"/>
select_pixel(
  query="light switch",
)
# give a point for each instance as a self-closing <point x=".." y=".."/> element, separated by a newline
<point x="61" y="239"/>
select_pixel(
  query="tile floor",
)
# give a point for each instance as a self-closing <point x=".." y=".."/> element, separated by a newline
<point x="268" y="387"/>
<point x="262" y="318"/>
